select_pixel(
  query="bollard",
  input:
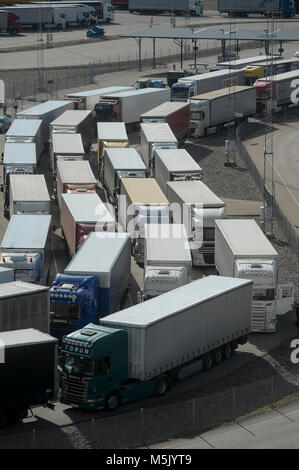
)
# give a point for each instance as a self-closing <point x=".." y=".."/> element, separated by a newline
<point x="194" y="414"/>
<point x="234" y="402"/>
<point x="33" y="438"/>
<point x="142" y="426"/>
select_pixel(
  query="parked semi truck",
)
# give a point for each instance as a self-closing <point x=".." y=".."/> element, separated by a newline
<point x="88" y="99"/>
<point x="110" y="135"/>
<point x="175" y="165"/>
<point x="112" y="269"/>
<point x="92" y="12"/>
<point x="26" y="131"/>
<point x="74" y="177"/>
<point x="128" y="106"/>
<point x="74" y="122"/>
<point x="167" y="259"/>
<point x="177" y="7"/>
<point x="10" y="23"/>
<point x="141" y="201"/>
<point x="29" y="374"/>
<point x="241" y="63"/>
<point x="47" y="112"/>
<point x="126" y="356"/>
<point x="199" y="208"/>
<point x="82" y="214"/>
<point x="29" y="195"/>
<point x="153" y="137"/>
<point x="65" y="147"/>
<point x="210" y="112"/>
<point x="187" y="87"/>
<point x="33" y="15"/>
<point x="243" y="250"/>
<point x="284" y="92"/>
<point x="286" y="8"/>
<point x="121" y="163"/>
<point x="24" y="305"/>
<point x="25" y="247"/>
<point x="75" y="14"/>
<point x="176" y="115"/>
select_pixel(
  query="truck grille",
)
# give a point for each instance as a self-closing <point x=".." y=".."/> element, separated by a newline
<point x="73" y="390"/>
<point x="258" y="319"/>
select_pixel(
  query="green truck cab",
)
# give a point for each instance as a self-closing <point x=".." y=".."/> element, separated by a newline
<point x="94" y="362"/>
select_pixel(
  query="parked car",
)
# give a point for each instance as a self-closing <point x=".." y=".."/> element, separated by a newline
<point x="5" y="123"/>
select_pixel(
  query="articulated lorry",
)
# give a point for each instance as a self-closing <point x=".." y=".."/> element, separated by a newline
<point x="74" y="177"/>
<point x="176" y="115"/>
<point x="74" y="122"/>
<point x="25" y="247"/>
<point x="241" y="8"/>
<point x="82" y="214"/>
<point x="121" y="163"/>
<point x="153" y="137"/>
<point x="89" y="99"/>
<point x="31" y="16"/>
<point x="198" y="208"/>
<point x="210" y="112"/>
<point x="243" y="250"/>
<point x="94" y="284"/>
<point x="29" y="373"/>
<point x="24" y="305"/>
<point x="187" y="87"/>
<point x="26" y="131"/>
<point x="65" y="147"/>
<point x="167" y="259"/>
<point x="10" y="23"/>
<point x="241" y="63"/>
<point x="138" y="352"/>
<point x="29" y="195"/>
<point x="128" y="106"/>
<point x="175" y="165"/>
<point x="141" y="201"/>
<point x="176" y="7"/>
<point x="47" y="112"/>
<point x="110" y="135"/>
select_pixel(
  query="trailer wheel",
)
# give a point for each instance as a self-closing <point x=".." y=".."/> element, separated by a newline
<point x="227" y="352"/>
<point x="112" y="401"/>
<point x="207" y="361"/>
<point x="162" y="386"/>
<point x="217" y="357"/>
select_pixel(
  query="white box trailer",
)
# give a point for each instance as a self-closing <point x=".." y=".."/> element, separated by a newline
<point x="29" y="195"/>
<point x="68" y="147"/>
<point x="185" y="323"/>
<point x="243" y="250"/>
<point x="74" y="177"/>
<point x="74" y="122"/>
<point x="26" y="131"/>
<point x="108" y="257"/>
<point x="198" y="208"/>
<point x="24" y="305"/>
<point x="47" y="112"/>
<point x="88" y="99"/>
<point x="154" y="136"/>
<point x="121" y="163"/>
<point x="175" y="165"/>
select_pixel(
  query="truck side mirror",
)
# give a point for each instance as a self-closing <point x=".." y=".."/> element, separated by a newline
<point x="2" y="188"/>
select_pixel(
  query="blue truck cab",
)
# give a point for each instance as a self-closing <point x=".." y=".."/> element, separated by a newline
<point x="73" y="303"/>
<point x="182" y="91"/>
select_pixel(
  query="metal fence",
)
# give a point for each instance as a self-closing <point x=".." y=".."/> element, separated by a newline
<point x="147" y="426"/>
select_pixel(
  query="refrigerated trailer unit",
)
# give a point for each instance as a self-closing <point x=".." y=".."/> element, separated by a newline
<point x="285" y="8"/>
<point x="176" y="7"/>
<point x="88" y="99"/>
<point x="82" y="214"/>
<point x="110" y="135"/>
<point x="74" y="122"/>
<point x="153" y="137"/>
<point x="141" y="350"/>
<point x="66" y="147"/>
<point x="108" y="257"/>
<point x="121" y="163"/>
<point x="242" y="250"/>
<point x="25" y="247"/>
<point x="29" y="195"/>
<point x="74" y="177"/>
<point x="47" y="112"/>
<point x="26" y="131"/>
<point x="175" y="165"/>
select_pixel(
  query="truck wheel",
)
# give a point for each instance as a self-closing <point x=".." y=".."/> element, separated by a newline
<point x="112" y="401"/>
<point x="207" y="361"/>
<point x="209" y="258"/>
<point x="108" y="20"/>
<point x="217" y="357"/>
<point x="162" y="386"/>
<point x="227" y="352"/>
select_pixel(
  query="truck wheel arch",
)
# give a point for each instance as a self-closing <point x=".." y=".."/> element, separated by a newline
<point x="112" y="400"/>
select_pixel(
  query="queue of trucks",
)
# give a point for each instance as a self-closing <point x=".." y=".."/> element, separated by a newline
<point x="162" y="214"/>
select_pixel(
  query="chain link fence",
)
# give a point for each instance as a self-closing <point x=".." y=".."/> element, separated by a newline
<point x="147" y="426"/>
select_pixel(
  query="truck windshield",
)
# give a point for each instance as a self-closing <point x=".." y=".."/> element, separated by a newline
<point x="78" y="365"/>
<point x="67" y="311"/>
<point x="263" y="294"/>
<point x="180" y="93"/>
<point x="103" y="112"/>
<point x="197" y="116"/>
